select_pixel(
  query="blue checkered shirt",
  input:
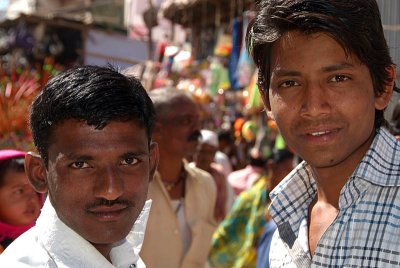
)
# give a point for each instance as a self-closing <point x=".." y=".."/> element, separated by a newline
<point x="366" y="231"/>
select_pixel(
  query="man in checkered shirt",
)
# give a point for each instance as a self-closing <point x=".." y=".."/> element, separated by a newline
<point x="326" y="76"/>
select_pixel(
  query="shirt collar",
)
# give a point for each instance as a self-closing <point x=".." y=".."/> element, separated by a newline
<point x="68" y="249"/>
<point x="380" y="165"/>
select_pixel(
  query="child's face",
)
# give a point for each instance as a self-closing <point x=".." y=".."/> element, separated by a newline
<point x="19" y="203"/>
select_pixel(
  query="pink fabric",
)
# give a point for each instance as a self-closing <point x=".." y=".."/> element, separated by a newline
<point x="11" y="231"/>
<point x="243" y="179"/>
<point x="8" y="154"/>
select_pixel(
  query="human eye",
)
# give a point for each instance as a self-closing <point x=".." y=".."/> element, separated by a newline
<point x="339" y="78"/>
<point x="288" y="83"/>
<point x="79" y="165"/>
<point x="18" y="191"/>
<point x="129" y="161"/>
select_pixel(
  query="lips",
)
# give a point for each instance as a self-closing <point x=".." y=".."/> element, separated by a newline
<point x="319" y="133"/>
<point x="319" y="130"/>
<point x="108" y="213"/>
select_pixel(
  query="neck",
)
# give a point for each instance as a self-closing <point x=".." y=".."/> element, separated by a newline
<point x="169" y="167"/>
<point x="330" y="180"/>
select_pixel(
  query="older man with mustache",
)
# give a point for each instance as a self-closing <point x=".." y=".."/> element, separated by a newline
<point x="181" y="220"/>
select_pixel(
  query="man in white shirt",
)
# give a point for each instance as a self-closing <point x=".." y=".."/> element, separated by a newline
<point x="92" y="127"/>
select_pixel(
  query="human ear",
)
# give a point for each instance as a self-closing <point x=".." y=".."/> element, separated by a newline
<point x="157" y="131"/>
<point x="154" y="158"/>
<point x="36" y="171"/>
<point x="265" y="99"/>
<point x="382" y="101"/>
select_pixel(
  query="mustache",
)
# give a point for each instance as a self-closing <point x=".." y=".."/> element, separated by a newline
<point x="304" y="124"/>
<point x="195" y="136"/>
<point x="109" y="203"/>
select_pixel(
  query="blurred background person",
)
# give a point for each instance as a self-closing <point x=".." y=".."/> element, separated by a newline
<point x="181" y="220"/>
<point x="236" y="239"/>
<point x="19" y="203"/>
<point x="204" y="159"/>
<point x="281" y="164"/>
<point x="245" y="178"/>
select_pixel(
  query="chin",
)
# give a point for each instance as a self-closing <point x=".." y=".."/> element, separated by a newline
<point x="108" y="237"/>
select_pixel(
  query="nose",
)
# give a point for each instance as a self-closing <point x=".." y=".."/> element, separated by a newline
<point x="315" y="101"/>
<point x="109" y="185"/>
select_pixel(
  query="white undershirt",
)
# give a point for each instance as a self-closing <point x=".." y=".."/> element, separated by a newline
<point x="178" y="206"/>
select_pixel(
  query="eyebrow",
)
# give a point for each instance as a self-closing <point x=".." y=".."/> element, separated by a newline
<point x="73" y="156"/>
<point x="283" y="72"/>
<point x="327" y="69"/>
<point x="134" y="155"/>
<point x="337" y="67"/>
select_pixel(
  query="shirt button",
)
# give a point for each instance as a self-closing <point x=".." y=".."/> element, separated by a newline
<point x="132" y="266"/>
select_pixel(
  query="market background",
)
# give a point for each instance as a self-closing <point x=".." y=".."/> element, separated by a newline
<point x="195" y="45"/>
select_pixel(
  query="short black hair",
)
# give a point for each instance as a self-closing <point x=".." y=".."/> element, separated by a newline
<point x="96" y="95"/>
<point x="15" y="164"/>
<point x="355" y="24"/>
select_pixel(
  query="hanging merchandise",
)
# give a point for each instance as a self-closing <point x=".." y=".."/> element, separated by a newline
<point x="219" y="76"/>
<point x="254" y="101"/>
<point x="224" y="82"/>
<point x="224" y="45"/>
<point x="234" y="57"/>
<point x="246" y="65"/>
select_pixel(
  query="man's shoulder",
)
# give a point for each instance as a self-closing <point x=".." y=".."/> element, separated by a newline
<point x="25" y="251"/>
<point x="198" y="173"/>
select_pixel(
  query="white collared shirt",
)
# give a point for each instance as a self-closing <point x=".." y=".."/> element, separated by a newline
<point x="51" y="243"/>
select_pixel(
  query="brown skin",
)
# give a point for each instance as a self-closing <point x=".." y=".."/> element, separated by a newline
<point x="173" y="137"/>
<point x="20" y="204"/>
<point x="87" y="166"/>
<point x="324" y="105"/>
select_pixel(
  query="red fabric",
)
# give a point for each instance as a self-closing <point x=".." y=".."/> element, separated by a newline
<point x="11" y="231"/>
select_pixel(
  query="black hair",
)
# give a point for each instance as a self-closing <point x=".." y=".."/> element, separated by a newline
<point x="224" y="134"/>
<point x="15" y="164"/>
<point x="355" y="24"/>
<point x="96" y="95"/>
<point x="257" y="161"/>
<point x="280" y="155"/>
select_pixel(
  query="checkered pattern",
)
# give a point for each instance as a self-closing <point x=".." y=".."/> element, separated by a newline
<point x="366" y="232"/>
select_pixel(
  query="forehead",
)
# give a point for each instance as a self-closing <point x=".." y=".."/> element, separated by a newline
<point x="207" y="147"/>
<point x="293" y="42"/>
<point x="183" y="106"/>
<point x="116" y="137"/>
<point x="296" y="51"/>
<point x="12" y="178"/>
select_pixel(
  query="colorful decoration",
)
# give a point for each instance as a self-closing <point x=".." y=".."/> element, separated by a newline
<point x="18" y="88"/>
<point x="249" y="131"/>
